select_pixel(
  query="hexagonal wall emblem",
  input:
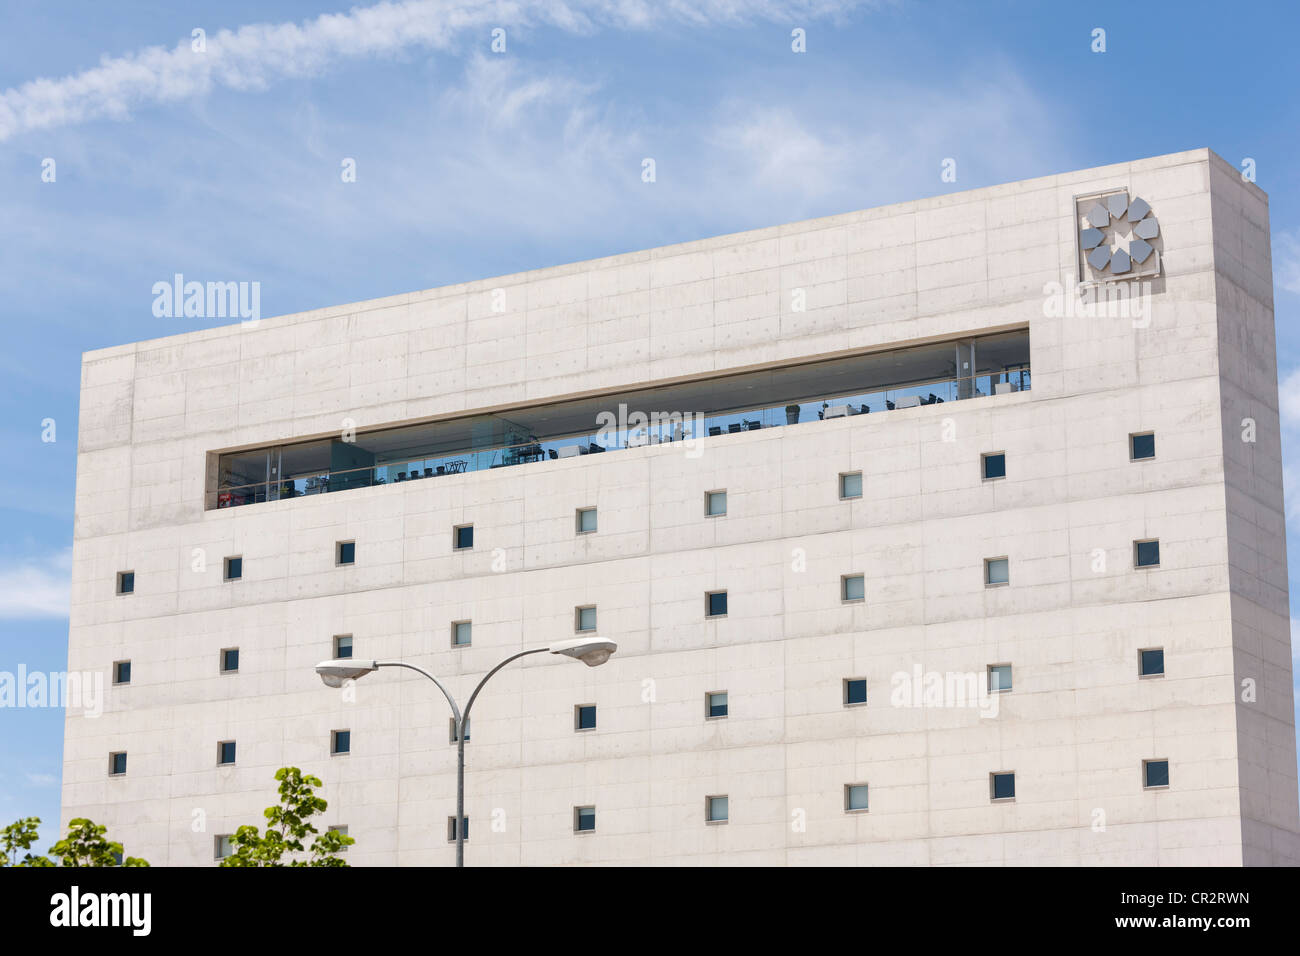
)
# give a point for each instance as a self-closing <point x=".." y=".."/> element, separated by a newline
<point x="1117" y="238"/>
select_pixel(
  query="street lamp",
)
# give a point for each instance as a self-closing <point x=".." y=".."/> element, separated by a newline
<point x="591" y="651"/>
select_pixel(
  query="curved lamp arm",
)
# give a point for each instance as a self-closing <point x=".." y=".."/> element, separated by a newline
<point x="455" y="711"/>
<point x="513" y="657"/>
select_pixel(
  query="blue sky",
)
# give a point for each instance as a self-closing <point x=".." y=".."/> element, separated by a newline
<point x="472" y="163"/>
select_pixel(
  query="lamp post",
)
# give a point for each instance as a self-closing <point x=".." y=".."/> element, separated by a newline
<point x="591" y="651"/>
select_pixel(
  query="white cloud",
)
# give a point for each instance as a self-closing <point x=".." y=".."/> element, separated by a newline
<point x="1286" y="260"/>
<point x="36" y="588"/>
<point x="250" y="57"/>
<point x="1288" y="399"/>
<point x="42" y="779"/>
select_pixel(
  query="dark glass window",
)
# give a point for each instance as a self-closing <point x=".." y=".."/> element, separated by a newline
<point x="343" y="646"/>
<point x="342" y="742"/>
<point x="718" y="705"/>
<point x="1143" y="446"/>
<point x="451" y="829"/>
<point x="1153" y="662"/>
<point x="584" y="819"/>
<point x="1004" y="786"/>
<point x="995" y="466"/>
<point x="234" y="569"/>
<point x="230" y="659"/>
<point x="717" y="603"/>
<point x="1147" y="553"/>
<point x="1157" y="773"/>
<point x="227" y="752"/>
<point x="117" y="763"/>
<point x="126" y="582"/>
<point x="464" y="537"/>
<point x="855" y="691"/>
<point x="122" y="672"/>
<point x="585" y="717"/>
<point x="347" y="552"/>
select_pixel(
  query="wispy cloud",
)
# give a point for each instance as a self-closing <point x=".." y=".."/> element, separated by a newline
<point x="36" y="588"/>
<point x="252" y="56"/>
<point x="1286" y="260"/>
<point x="42" y="779"/>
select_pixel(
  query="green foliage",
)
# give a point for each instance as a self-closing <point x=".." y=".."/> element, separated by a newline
<point x="20" y="836"/>
<point x="84" y="845"/>
<point x="288" y="827"/>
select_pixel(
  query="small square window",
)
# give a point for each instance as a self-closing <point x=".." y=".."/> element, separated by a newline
<point x="451" y="729"/>
<point x="1146" y="554"/>
<point x="855" y="691"/>
<point x="1142" y="446"/>
<point x="716" y="809"/>
<point x="1155" y="774"/>
<point x="851" y="484"/>
<point x="461" y="633"/>
<point x="117" y="763"/>
<point x="463" y="537"/>
<point x="855" y="797"/>
<point x="715" y="604"/>
<point x="340" y="741"/>
<point x="586" y="520"/>
<point x="715" y="704"/>
<point x="584" y="618"/>
<point x="1002" y="786"/>
<point x="997" y="572"/>
<point x="342" y="646"/>
<point x="234" y="568"/>
<point x="222" y="846"/>
<point x="584" y="717"/>
<point x="995" y="465"/>
<point x="229" y="660"/>
<point x="121" y="672"/>
<point x="125" y="582"/>
<point x="1151" y="662"/>
<point x="226" y="752"/>
<point x="715" y="504"/>
<point x="853" y="588"/>
<point x="345" y="552"/>
<point x="451" y="829"/>
<point x="999" y="678"/>
<point x="584" y="819"/>
<point x="341" y="830"/>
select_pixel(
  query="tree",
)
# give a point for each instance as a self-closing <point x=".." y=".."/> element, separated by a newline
<point x="287" y="828"/>
<point x="84" y="845"/>
<point x="20" y="835"/>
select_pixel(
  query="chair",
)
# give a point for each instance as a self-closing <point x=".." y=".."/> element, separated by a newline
<point x="401" y="476"/>
<point x="714" y="430"/>
<point x="442" y="469"/>
<point x="754" y="426"/>
<point x="865" y="410"/>
<point x="428" y="472"/>
<point x="733" y="428"/>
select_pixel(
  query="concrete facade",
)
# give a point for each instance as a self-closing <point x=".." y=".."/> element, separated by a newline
<point x="1075" y="728"/>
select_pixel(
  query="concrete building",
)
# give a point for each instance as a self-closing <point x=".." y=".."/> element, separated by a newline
<point x="1019" y="438"/>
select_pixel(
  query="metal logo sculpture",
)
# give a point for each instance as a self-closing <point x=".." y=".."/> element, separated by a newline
<point x="1115" y="239"/>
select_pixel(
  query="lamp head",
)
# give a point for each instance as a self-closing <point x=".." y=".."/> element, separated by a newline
<point x="337" y="672"/>
<point x="592" y="651"/>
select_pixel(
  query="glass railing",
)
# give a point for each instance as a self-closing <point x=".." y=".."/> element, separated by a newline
<point x="661" y="429"/>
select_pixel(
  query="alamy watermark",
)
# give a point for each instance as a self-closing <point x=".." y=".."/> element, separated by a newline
<point x="211" y="300"/>
<point x="69" y="690"/>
